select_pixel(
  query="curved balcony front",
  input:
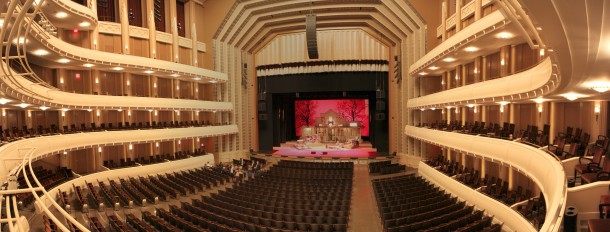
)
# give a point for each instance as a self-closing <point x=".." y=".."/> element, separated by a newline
<point x="542" y="168"/>
<point x="524" y="85"/>
<point x="75" y="14"/>
<point x="21" y="88"/>
<point x="13" y="154"/>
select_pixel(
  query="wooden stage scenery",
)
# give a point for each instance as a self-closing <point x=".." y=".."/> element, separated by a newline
<point x="364" y="150"/>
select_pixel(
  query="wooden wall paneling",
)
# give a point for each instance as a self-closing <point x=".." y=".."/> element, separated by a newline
<point x="110" y="43"/>
<point x="139" y="47"/>
<point x="164" y="51"/>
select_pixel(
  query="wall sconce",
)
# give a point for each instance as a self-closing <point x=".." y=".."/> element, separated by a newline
<point x="99" y="149"/>
<point x="177" y="87"/>
<point x="475" y="110"/>
<point x="196" y="90"/>
<point x="29" y="114"/>
<point x="597" y="110"/>
<point x="63" y="113"/>
<point x="177" y="113"/>
<point x="155" y="85"/>
<point x="542" y="52"/>
<point x="502" y="62"/>
<point x="156" y="112"/>
<point x="3" y="113"/>
<point x="97" y="81"/>
<point x="97" y="113"/>
<point x="501" y="109"/>
<point x="61" y="80"/>
<point x="540" y="111"/>
<point x="127" y="82"/>
<point x="443" y="111"/>
<point x="179" y="142"/>
<point x="129" y="113"/>
<point x="130" y="146"/>
<point x="157" y="145"/>
<point x="457" y="110"/>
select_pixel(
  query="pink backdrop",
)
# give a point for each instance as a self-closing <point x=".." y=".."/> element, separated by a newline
<point x="357" y="109"/>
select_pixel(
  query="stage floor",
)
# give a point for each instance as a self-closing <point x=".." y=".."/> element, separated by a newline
<point x="288" y="149"/>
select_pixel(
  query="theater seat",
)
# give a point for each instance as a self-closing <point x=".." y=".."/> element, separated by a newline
<point x="604" y="206"/>
<point x="599" y="225"/>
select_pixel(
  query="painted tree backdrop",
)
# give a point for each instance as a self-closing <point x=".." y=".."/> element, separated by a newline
<point x="355" y="110"/>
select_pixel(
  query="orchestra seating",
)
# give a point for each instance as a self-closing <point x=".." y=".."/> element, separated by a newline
<point x="152" y="159"/>
<point x="290" y="196"/>
<point x="386" y="167"/>
<point x="410" y="203"/>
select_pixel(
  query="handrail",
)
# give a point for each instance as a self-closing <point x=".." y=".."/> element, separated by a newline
<point x="541" y="167"/>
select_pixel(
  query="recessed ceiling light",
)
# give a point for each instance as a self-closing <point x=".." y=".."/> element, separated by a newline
<point x="539" y="100"/>
<point x="65" y="109"/>
<point x="504" y="35"/>
<point x="20" y="40"/>
<point x="423" y="73"/>
<point x="471" y="49"/>
<point x="41" y="52"/>
<point x="213" y="81"/>
<point x="470" y="105"/>
<point x="23" y="105"/>
<point x="4" y="101"/>
<point x="61" y="15"/>
<point x="44" y="107"/>
<point x="117" y="68"/>
<point x="120" y="110"/>
<point x="503" y="103"/>
<point x="89" y="110"/>
<point x="63" y="60"/>
<point x="196" y="78"/>
<point x="433" y="68"/>
<point x="571" y="96"/>
<point x="149" y="71"/>
<point x="84" y="24"/>
<point x="174" y="75"/>
<point x="88" y="65"/>
<point x="449" y="59"/>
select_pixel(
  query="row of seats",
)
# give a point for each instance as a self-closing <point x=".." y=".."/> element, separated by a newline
<point x="149" y="188"/>
<point x="273" y="201"/>
<point x="409" y="203"/>
<point x="129" y="162"/>
<point x="47" y="178"/>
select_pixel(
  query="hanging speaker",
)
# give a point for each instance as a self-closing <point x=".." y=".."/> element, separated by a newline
<point x="380" y="105"/>
<point x="310" y="35"/>
<point x="380" y="116"/>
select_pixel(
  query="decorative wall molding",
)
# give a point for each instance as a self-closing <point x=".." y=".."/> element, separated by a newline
<point x="201" y="46"/>
<point x="139" y="32"/>
<point x="185" y="42"/>
<point x="439" y="30"/>
<point x="109" y="28"/>
<point x="468" y="10"/>
<point x="164" y="37"/>
<point x="451" y="22"/>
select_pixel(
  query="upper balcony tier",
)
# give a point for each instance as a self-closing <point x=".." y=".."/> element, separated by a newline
<point x="69" y="14"/>
<point x="25" y="90"/>
<point x="543" y="169"/>
<point x="531" y="83"/>
<point x="480" y="34"/>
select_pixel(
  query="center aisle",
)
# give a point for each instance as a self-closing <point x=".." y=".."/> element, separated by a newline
<point x="364" y="213"/>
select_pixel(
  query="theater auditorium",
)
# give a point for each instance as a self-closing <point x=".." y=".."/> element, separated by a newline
<point x="304" y="115"/>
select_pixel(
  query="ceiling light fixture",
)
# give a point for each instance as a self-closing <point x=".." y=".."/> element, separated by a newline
<point x="23" y="105"/>
<point x="471" y="49"/>
<point x="423" y="73"/>
<point x="63" y="61"/>
<point x="213" y="81"/>
<point x="539" y="100"/>
<point x="600" y="87"/>
<point x="84" y="24"/>
<point x="61" y="15"/>
<point x="470" y="105"/>
<point x="503" y="103"/>
<point x="174" y="75"/>
<point x="44" y="107"/>
<point x="197" y="78"/>
<point x="117" y="68"/>
<point x="88" y="65"/>
<point x="449" y="59"/>
<point x="504" y="35"/>
<point x="433" y="68"/>
<point x="20" y="40"/>
<point x="149" y="71"/>
<point x="41" y="52"/>
<point x="571" y="96"/>
<point x="4" y="101"/>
